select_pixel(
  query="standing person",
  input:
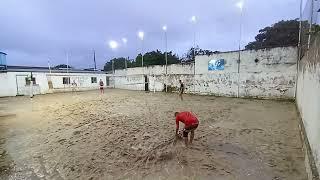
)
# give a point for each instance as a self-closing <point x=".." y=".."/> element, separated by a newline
<point x="181" y="89"/>
<point x="190" y="125"/>
<point x="74" y="86"/>
<point x="101" y="86"/>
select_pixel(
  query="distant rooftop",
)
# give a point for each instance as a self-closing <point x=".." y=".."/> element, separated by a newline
<point x="3" y="53"/>
<point x="53" y="70"/>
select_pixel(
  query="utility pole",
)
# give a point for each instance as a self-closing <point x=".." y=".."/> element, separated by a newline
<point x="126" y="62"/>
<point x="94" y="60"/>
<point x="311" y="21"/>
<point x="113" y="73"/>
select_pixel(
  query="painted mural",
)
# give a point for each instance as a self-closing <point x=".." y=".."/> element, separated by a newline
<point x="215" y="65"/>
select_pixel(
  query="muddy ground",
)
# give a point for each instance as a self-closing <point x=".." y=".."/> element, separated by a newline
<point x="129" y="135"/>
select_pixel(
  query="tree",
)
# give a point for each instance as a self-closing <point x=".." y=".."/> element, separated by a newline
<point x="62" y="66"/>
<point x="150" y="58"/>
<point x="192" y="52"/>
<point x="156" y="58"/>
<point x="119" y="63"/>
<point x="282" y="33"/>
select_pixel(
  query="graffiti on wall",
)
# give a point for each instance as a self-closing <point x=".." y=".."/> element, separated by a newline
<point x="214" y="65"/>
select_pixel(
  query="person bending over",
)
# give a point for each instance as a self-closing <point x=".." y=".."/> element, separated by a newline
<point x="190" y="122"/>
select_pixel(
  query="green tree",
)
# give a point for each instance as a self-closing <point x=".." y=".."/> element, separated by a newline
<point x="62" y="66"/>
<point x="150" y="58"/>
<point x="282" y="33"/>
<point x="192" y="52"/>
<point x="119" y="63"/>
<point x="156" y="58"/>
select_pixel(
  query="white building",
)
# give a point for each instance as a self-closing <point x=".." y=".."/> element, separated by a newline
<point x="16" y="80"/>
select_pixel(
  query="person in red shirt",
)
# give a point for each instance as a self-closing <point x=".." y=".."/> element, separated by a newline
<point x="190" y="125"/>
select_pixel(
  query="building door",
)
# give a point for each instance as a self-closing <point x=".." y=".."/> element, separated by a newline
<point x="146" y="83"/>
<point x="21" y="84"/>
<point x="108" y="81"/>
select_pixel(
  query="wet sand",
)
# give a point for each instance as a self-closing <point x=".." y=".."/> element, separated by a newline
<point x="130" y="135"/>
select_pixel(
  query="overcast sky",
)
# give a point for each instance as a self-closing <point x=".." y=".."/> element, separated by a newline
<point x="33" y="31"/>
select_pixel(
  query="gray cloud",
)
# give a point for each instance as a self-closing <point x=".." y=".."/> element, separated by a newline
<point x="34" y="31"/>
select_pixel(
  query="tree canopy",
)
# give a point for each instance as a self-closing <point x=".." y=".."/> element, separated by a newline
<point x="62" y="66"/>
<point x="282" y="33"/>
<point x="150" y="58"/>
<point x="192" y="52"/>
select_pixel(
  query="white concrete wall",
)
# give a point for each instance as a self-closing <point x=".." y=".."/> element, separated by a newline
<point x="308" y="98"/>
<point x="13" y="83"/>
<point x="8" y="84"/>
<point x="83" y="81"/>
<point x="273" y="76"/>
<point x="133" y="78"/>
<point x="132" y="82"/>
<point x="157" y="70"/>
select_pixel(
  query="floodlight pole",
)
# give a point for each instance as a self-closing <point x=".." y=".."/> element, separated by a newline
<point x="239" y="55"/>
<point x="49" y="66"/>
<point x="166" y="55"/>
<point x="141" y="52"/>
<point x="311" y="21"/>
<point x="125" y="62"/>
<point x="193" y="21"/>
<point x="114" y="82"/>
<point x="68" y="75"/>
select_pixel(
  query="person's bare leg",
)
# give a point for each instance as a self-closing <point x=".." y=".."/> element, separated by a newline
<point x="181" y="97"/>
<point x="191" y="136"/>
<point x="186" y="141"/>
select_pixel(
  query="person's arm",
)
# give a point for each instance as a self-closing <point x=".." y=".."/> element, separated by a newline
<point x="177" y="126"/>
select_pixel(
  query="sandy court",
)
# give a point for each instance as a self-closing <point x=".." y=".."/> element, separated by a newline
<point x="129" y="135"/>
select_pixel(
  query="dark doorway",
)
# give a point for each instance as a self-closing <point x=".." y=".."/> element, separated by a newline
<point x="108" y="81"/>
<point x="146" y="83"/>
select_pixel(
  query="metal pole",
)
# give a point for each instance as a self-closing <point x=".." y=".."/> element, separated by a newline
<point x="300" y="31"/>
<point x="68" y="69"/>
<point x="94" y="60"/>
<point x="311" y="21"/>
<point x="239" y="60"/>
<point x="194" y="56"/>
<point x="240" y="36"/>
<point x="299" y="49"/>
<point x="67" y="62"/>
<point x="166" y="57"/>
<point x="114" y="82"/>
<point x="49" y="66"/>
<point x="125" y="62"/>
<point x="142" y="53"/>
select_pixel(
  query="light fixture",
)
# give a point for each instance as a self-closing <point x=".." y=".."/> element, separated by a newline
<point x="240" y="5"/>
<point x="193" y="19"/>
<point x="141" y="35"/>
<point x="164" y="28"/>
<point x="113" y="44"/>
<point x="124" y="40"/>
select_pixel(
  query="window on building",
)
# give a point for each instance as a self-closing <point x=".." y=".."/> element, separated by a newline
<point x="66" y="80"/>
<point x="93" y="79"/>
<point x="28" y="80"/>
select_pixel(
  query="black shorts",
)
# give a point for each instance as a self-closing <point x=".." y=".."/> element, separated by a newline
<point x="186" y="130"/>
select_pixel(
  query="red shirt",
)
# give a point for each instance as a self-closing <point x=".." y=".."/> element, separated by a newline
<point x="187" y="118"/>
